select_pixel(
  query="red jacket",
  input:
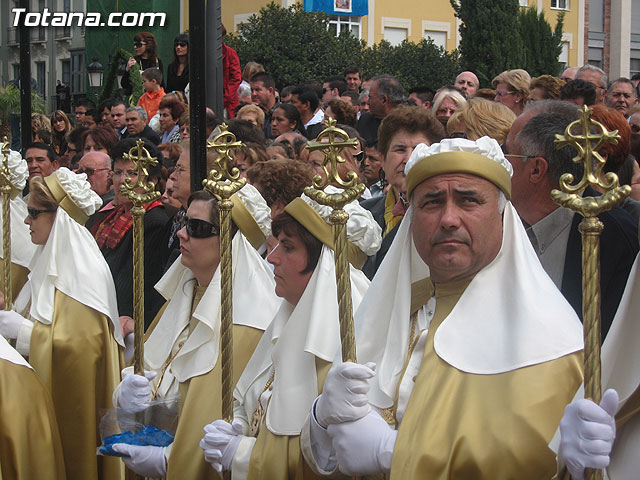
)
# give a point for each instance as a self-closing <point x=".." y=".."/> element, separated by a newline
<point x="231" y="78"/>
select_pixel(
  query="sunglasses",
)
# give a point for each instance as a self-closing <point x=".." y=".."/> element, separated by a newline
<point x="200" y="229"/>
<point x="635" y="128"/>
<point x="138" y="44"/>
<point x="91" y="171"/>
<point x="181" y="44"/>
<point x="34" y="212"/>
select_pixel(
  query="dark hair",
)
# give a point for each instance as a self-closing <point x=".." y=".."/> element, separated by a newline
<point x="425" y="94"/>
<point x="103" y="136"/>
<point x="292" y="114"/>
<point x="246" y="131"/>
<point x="105" y="104"/>
<point x="389" y="87"/>
<point x="307" y="94"/>
<point x="286" y="91"/>
<point x="265" y="78"/>
<point x="411" y="120"/>
<point x="123" y="146"/>
<point x="352" y="69"/>
<point x="51" y="153"/>
<point x="579" y="89"/>
<point x="150" y="40"/>
<point x="153" y="74"/>
<point x="175" y="107"/>
<point x="340" y="85"/>
<point x="353" y="95"/>
<point x="118" y="101"/>
<point x="86" y="103"/>
<point x="44" y="136"/>
<point x="210" y="119"/>
<point x="286" y="148"/>
<point x="97" y="116"/>
<point x="76" y="136"/>
<point x="180" y="38"/>
<point x="343" y="112"/>
<point x="315" y="86"/>
<point x="292" y="228"/>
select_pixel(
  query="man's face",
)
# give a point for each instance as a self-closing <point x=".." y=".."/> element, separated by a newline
<point x="261" y="96"/>
<point x="181" y="179"/>
<point x="569" y="74"/>
<point x="98" y="170"/>
<point x="328" y="94"/>
<point x="135" y="124"/>
<point x="376" y="102"/>
<point x="520" y="185"/>
<point x="353" y="81"/>
<point x="80" y="112"/>
<point x="622" y="97"/>
<point x="456" y="226"/>
<point x="105" y="117"/>
<point x="594" y="77"/>
<point x="414" y="96"/>
<point x="400" y="148"/>
<point x="364" y="104"/>
<point x="467" y="82"/>
<point x="118" y="113"/>
<point x="634" y="123"/>
<point x="302" y="107"/>
<point x="39" y="163"/>
<point x="371" y="165"/>
<point x="166" y="120"/>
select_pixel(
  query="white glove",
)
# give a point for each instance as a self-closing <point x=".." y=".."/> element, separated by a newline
<point x="220" y="443"/>
<point x="10" y="323"/>
<point x="135" y="392"/>
<point x="587" y="434"/>
<point x="144" y="460"/>
<point x="344" y="395"/>
<point x="365" y="446"/>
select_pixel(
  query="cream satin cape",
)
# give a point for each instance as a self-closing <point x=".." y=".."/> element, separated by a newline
<point x="520" y="317"/>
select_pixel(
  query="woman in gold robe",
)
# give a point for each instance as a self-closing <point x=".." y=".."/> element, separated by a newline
<point x="73" y="330"/>
<point x="182" y="348"/>
<point x="287" y="370"/>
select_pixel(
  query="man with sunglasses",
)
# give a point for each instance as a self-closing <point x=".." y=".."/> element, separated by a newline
<point x="112" y="228"/>
<point x="97" y="167"/>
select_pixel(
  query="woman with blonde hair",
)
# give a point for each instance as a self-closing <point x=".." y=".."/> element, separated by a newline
<point x="481" y="118"/>
<point x="253" y="114"/>
<point x="39" y="122"/>
<point x="512" y="89"/>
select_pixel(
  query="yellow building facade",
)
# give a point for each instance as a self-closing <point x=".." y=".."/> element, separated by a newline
<point x="397" y="20"/>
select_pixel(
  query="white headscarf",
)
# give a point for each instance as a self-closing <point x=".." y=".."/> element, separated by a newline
<point x="70" y="261"/>
<point x="22" y="249"/>
<point x="300" y="333"/>
<point x="510" y="316"/>
<point x="254" y="304"/>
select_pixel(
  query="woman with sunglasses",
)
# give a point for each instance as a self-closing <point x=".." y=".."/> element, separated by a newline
<point x="145" y="54"/>
<point x="182" y="348"/>
<point x="73" y="331"/>
<point x="178" y="70"/>
<point x="285" y="374"/>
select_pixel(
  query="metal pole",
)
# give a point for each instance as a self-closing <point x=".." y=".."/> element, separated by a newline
<point x="25" y="80"/>
<point x="215" y="89"/>
<point x="197" y="98"/>
<point x="5" y="182"/>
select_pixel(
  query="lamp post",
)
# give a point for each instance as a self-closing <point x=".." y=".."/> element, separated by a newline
<point x="95" y="71"/>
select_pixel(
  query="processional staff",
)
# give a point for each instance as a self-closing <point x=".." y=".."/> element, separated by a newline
<point x="140" y="193"/>
<point x="589" y="137"/>
<point x="338" y="140"/>
<point x="5" y="188"/>
<point x="222" y="183"/>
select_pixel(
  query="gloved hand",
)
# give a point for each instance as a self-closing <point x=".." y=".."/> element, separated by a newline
<point x="344" y="395"/>
<point x="135" y="392"/>
<point x="365" y="446"/>
<point x="587" y="434"/>
<point x="10" y="323"/>
<point x="220" y="443"/>
<point x="144" y="460"/>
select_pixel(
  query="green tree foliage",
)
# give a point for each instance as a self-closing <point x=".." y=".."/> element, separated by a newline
<point x="542" y="46"/>
<point x="296" y="46"/>
<point x="490" y="40"/>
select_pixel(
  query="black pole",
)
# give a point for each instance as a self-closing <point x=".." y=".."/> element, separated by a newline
<point x="214" y="58"/>
<point x="197" y="98"/>
<point x="25" y="80"/>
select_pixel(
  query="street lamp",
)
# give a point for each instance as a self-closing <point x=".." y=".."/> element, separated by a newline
<point x="95" y="71"/>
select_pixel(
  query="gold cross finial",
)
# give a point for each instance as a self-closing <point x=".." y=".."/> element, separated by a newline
<point x="222" y="181"/>
<point x="338" y="140"/>
<point x="141" y="159"/>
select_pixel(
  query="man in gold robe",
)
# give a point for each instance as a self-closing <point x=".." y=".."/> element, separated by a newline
<point x="476" y="352"/>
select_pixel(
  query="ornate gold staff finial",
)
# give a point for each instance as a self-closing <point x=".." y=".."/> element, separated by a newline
<point x="592" y="136"/>
<point x="222" y="183"/>
<point x="140" y="193"/>
<point x="5" y="188"/>
<point x="338" y="140"/>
